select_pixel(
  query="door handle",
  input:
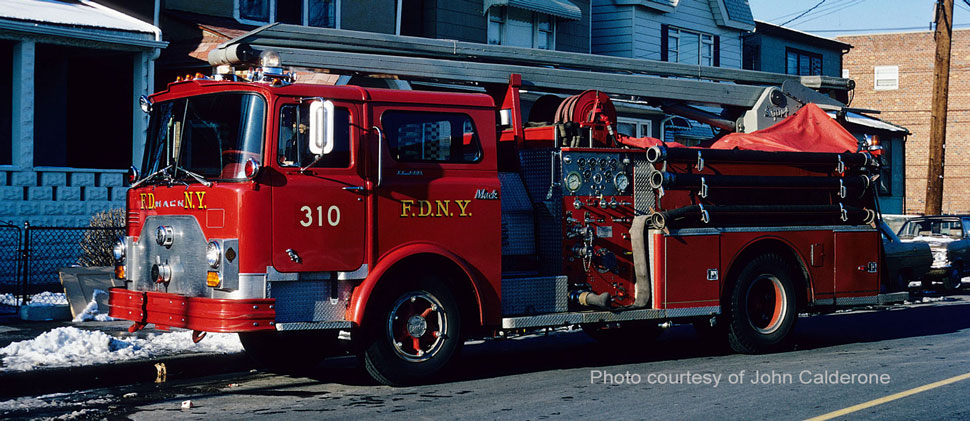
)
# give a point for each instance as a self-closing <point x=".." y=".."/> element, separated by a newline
<point x="353" y="188"/>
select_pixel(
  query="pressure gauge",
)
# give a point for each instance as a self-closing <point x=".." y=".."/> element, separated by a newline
<point x="621" y="181"/>
<point x="574" y="181"/>
<point x="597" y="178"/>
<point x="581" y="162"/>
<point x="567" y="159"/>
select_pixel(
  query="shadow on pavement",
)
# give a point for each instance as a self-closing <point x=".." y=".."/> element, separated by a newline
<point x="571" y="350"/>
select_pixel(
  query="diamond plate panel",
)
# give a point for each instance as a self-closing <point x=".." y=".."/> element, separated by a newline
<point x="309" y="301"/>
<point x="643" y="196"/>
<point x="536" y="295"/>
<point x="518" y="226"/>
<point x="545" y="192"/>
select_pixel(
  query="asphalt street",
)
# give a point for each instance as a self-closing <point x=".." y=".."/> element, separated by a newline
<point x="891" y="360"/>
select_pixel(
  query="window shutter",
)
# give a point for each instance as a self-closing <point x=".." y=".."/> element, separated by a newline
<point x="717" y="51"/>
<point x="664" y="29"/>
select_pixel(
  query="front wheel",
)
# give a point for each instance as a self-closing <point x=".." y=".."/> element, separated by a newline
<point x="761" y="311"/>
<point x="415" y="334"/>
<point x="953" y="281"/>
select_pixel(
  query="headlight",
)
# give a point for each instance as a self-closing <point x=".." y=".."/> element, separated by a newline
<point x="213" y="254"/>
<point x="940" y="258"/>
<point x="118" y="251"/>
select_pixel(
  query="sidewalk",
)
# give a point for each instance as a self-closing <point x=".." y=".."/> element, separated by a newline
<point x="167" y="362"/>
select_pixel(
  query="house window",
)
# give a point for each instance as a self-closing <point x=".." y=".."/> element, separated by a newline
<point x="690" y="47"/>
<point x="802" y="63"/>
<point x="886" y="78"/>
<point x="521" y="28"/>
<point x="634" y="127"/>
<point x="321" y="13"/>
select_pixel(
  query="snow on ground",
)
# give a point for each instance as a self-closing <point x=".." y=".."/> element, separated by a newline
<point x="70" y="346"/>
<point x="44" y="299"/>
<point x="91" y="312"/>
<point x="53" y="400"/>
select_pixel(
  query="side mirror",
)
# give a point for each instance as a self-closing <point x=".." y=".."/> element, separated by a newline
<point x="321" y="127"/>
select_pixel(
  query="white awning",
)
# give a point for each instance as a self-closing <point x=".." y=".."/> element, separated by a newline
<point x="75" y="16"/>
<point x="871" y="122"/>
<point x="559" y="8"/>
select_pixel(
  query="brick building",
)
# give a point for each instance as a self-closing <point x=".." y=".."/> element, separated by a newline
<point x="894" y="74"/>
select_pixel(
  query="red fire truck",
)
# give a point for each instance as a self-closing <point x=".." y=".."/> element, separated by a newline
<point x="302" y="216"/>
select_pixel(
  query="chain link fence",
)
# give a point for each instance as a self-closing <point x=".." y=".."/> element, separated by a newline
<point x="10" y="260"/>
<point x="30" y="258"/>
<point x="51" y="248"/>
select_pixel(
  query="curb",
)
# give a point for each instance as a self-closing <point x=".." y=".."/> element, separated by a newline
<point x="16" y="384"/>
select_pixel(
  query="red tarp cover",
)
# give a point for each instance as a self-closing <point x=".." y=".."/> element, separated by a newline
<point x="808" y="130"/>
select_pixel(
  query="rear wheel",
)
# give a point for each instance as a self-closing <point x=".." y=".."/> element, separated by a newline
<point x="414" y="334"/>
<point x="761" y="310"/>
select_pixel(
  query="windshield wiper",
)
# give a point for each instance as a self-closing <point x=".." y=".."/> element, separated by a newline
<point x="151" y="176"/>
<point x="197" y="177"/>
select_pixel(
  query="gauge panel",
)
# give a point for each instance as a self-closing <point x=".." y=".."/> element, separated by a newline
<point x="596" y="173"/>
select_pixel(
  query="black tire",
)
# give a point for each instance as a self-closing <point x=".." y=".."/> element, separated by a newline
<point x="761" y="310"/>
<point x="626" y="333"/>
<point x="413" y="333"/>
<point x="291" y="351"/>
<point x="952" y="282"/>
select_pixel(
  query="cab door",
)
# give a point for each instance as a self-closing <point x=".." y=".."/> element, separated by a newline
<point x="318" y="207"/>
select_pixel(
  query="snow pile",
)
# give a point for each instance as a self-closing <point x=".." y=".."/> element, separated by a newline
<point x="70" y="346"/>
<point x="44" y="299"/>
<point x="47" y="299"/>
<point x="9" y="300"/>
<point x="91" y="312"/>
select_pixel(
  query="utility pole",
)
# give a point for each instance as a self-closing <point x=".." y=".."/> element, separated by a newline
<point x="941" y="82"/>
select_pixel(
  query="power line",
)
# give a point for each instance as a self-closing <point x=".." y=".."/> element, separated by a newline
<point x="803" y="13"/>
<point x="819" y="15"/>
<point x="903" y="28"/>
<point x="821" y="9"/>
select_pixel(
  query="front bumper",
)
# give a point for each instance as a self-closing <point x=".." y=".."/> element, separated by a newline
<point x="167" y="310"/>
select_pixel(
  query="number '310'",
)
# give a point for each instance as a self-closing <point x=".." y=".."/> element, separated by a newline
<point x="333" y="216"/>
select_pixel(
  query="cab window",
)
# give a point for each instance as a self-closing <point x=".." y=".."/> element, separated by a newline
<point x="431" y="137"/>
<point x="294" y="149"/>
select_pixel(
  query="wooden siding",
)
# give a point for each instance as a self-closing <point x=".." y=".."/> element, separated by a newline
<point x="632" y="31"/>
<point x="692" y="15"/>
<point x="460" y="20"/>
<point x="369" y="15"/>
<point x="772" y="54"/>
<point x="573" y="35"/>
<point x="612" y="29"/>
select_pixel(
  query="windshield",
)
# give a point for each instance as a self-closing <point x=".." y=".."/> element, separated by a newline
<point x="211" y="135"/>
<point x="951" y="228"/>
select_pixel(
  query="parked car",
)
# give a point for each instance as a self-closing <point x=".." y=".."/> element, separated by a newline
<point x="906" y="262"/>
<point x="949" y="240"/>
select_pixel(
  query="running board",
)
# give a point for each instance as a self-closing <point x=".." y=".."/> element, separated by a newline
<point x="881" y="299"/>
<point x="581" y="317"/>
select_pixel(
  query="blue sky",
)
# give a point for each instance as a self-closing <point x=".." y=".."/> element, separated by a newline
<point x="853" y="17"/>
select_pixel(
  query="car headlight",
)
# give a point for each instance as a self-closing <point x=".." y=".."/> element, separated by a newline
<point x="118" y="251"/>
<point x="213" y="254"/>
